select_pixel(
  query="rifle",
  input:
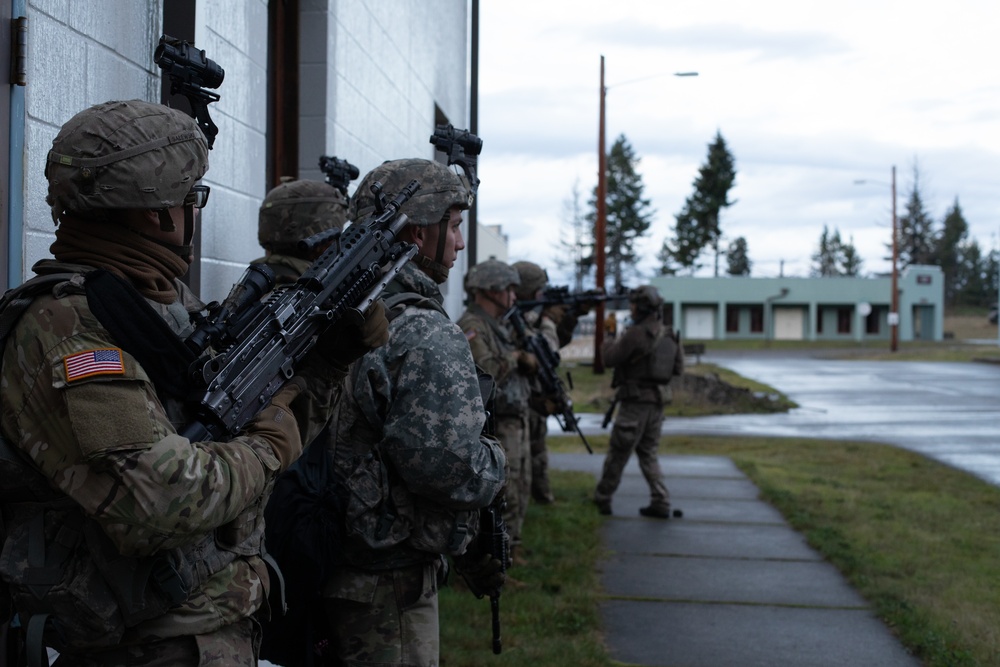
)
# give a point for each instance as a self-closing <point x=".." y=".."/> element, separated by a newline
<point x="561" y="296"/>
<point x="609" y="413"/>
<point x="548" y="361"/>
<point x="493" y="529"/>
<point x="189" y="70"/>
<point x="339" y="173"/>
<point x="260" y="343"/>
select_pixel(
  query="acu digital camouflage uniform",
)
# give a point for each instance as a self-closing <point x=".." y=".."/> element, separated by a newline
<point x="291" y="212"/>
<point x="496" y="351"/>
<point x="408" y="442"/>
<point x="105" y="438"/>
<point x="640" y="401"/>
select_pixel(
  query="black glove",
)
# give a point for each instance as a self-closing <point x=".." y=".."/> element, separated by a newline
<point x="483" y="573"/>
<point x="345" y="341"/>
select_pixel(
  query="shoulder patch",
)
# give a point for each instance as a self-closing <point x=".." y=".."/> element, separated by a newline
<point x="470" y="334"/>
<point x="103" y="361"/>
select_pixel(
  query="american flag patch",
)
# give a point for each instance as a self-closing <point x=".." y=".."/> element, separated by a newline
<point x="107" y="361"/>
<point x="470" y="334"/>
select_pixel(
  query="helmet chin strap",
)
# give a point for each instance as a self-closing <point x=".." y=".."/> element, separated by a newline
<point x="185" y="251"/>
<point x="435" y="268"/>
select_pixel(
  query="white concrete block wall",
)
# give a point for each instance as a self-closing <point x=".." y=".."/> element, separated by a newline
<point x="234" y="34"/>
<point x="372" y="73"/>
<point x="78" y="57"/>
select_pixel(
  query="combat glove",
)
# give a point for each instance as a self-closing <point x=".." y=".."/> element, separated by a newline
<point x="483" y="573"/>
<point x="345" y="342"/>
<point x="277" y="426"/>
<point x="527" y="363"/>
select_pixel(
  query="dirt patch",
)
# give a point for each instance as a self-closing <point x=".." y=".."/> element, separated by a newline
<point x="691" y="392"/>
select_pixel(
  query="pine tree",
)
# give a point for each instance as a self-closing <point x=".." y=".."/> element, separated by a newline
<point x="916" y="229"/>
<point x="737" y="258"/>
<point x="947" y="249"/>
<point x="629" y="214"/>
<point x="850" y="260"/>
<point x="825" y="259"/>
<point x="698" y="224"/>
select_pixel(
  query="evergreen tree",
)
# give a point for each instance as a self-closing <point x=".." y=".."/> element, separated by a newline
<point x="629" y="214"/>
<point x="947" y="250"/>
<point x="972" y="286"/>
<point x="850" y="260"/>
<point x="834" y="257"/>
<point x="737" y="258"/>
<point x="826" y="258"/>
<point x="916" y="229"/>
<point x="698" y="222"/>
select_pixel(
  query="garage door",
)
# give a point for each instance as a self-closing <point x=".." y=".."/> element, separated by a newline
<point x="699" y="322"/>
<point x="788" y="323"/>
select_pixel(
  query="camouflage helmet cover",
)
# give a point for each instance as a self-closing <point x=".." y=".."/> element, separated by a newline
<point x="645" y="298"/>
<point x="491" y="275"/>
<point x="440" y="189"/>
<point x="122" y="155"/>
<point x="295" y="210"/>
<point x="533" y="278"/>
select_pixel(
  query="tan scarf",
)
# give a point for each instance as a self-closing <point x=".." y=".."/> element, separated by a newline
<point x="150" y="268"/>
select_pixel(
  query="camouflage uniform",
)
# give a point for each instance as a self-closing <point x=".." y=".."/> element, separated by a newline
<point x="533" y="280"/>
<point x="640" y="404"/>
<point x="292" y="211"/>
<point x="105" y="438"/>
<point x="408" y="442"/>
<point x="496" y="352"/>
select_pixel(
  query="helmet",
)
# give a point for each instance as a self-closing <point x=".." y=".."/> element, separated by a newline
<point x="533" y="278"/>
<point x="491" y="275"/>
<point x="440" y="189"/>
<point x="296" y="210"/>
<point x="646" y="298"/>
<point x="122" y="155"/>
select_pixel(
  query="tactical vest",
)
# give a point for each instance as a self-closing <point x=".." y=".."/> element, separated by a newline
<point x="59" y="572"/>
<point x="656" y="367"/>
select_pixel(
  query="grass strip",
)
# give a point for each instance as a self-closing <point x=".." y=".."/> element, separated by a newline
<point x="549" y="614"/>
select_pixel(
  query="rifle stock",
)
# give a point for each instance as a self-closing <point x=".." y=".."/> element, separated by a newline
<point x="260" y="343"/>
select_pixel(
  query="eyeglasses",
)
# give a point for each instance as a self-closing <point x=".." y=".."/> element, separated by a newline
<point x="198" y="196"/>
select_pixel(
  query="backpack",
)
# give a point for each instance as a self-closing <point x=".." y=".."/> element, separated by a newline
<point x="659" y="365"/>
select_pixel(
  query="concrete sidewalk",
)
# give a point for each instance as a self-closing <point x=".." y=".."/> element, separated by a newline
<point x="731" y="583"/>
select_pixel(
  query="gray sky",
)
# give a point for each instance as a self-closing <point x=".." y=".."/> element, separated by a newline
<point x="808" y="96"/>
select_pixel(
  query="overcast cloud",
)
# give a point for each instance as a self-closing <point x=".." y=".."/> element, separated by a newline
<point x="808" y="97"/>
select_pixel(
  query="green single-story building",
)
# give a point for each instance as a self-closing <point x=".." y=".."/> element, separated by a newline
<point x="813" y="309"/>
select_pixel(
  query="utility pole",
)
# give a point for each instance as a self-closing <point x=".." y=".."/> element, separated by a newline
<point x="894" y="299"/>
<point x="600" y="231"/>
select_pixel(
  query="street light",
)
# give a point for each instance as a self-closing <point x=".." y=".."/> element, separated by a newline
<point x="600" y="226"/>
<point x="894" y="299"/>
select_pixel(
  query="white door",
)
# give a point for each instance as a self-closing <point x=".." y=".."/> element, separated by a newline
<point x="699" y="323"/>
<point x="788" y="323"/>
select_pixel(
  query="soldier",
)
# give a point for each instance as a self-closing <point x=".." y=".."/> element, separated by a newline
<point x="491" y="285"/>
<point x="130" y="544"/>
<point x="550" y="322"/>
<point x="294" y="211"/>
<point x="644" y="359"/>
<point x="408" y="444"/>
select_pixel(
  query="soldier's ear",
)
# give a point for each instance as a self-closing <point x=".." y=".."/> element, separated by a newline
<point x="414" y="234"/>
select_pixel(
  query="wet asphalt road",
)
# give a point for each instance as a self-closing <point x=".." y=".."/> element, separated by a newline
<point x="947" y="411"/>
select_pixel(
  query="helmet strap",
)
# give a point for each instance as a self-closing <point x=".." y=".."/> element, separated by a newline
<point x="166" y="221"/>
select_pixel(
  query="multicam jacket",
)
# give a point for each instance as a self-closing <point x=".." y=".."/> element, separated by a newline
<point x="415" y="405"/>
<point x="495" y="351"/>
<point x="88" y="417"/>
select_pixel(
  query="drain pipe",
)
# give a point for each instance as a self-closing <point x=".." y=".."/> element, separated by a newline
<point x="17" y="158"/>
<point x="769" y="315"/>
